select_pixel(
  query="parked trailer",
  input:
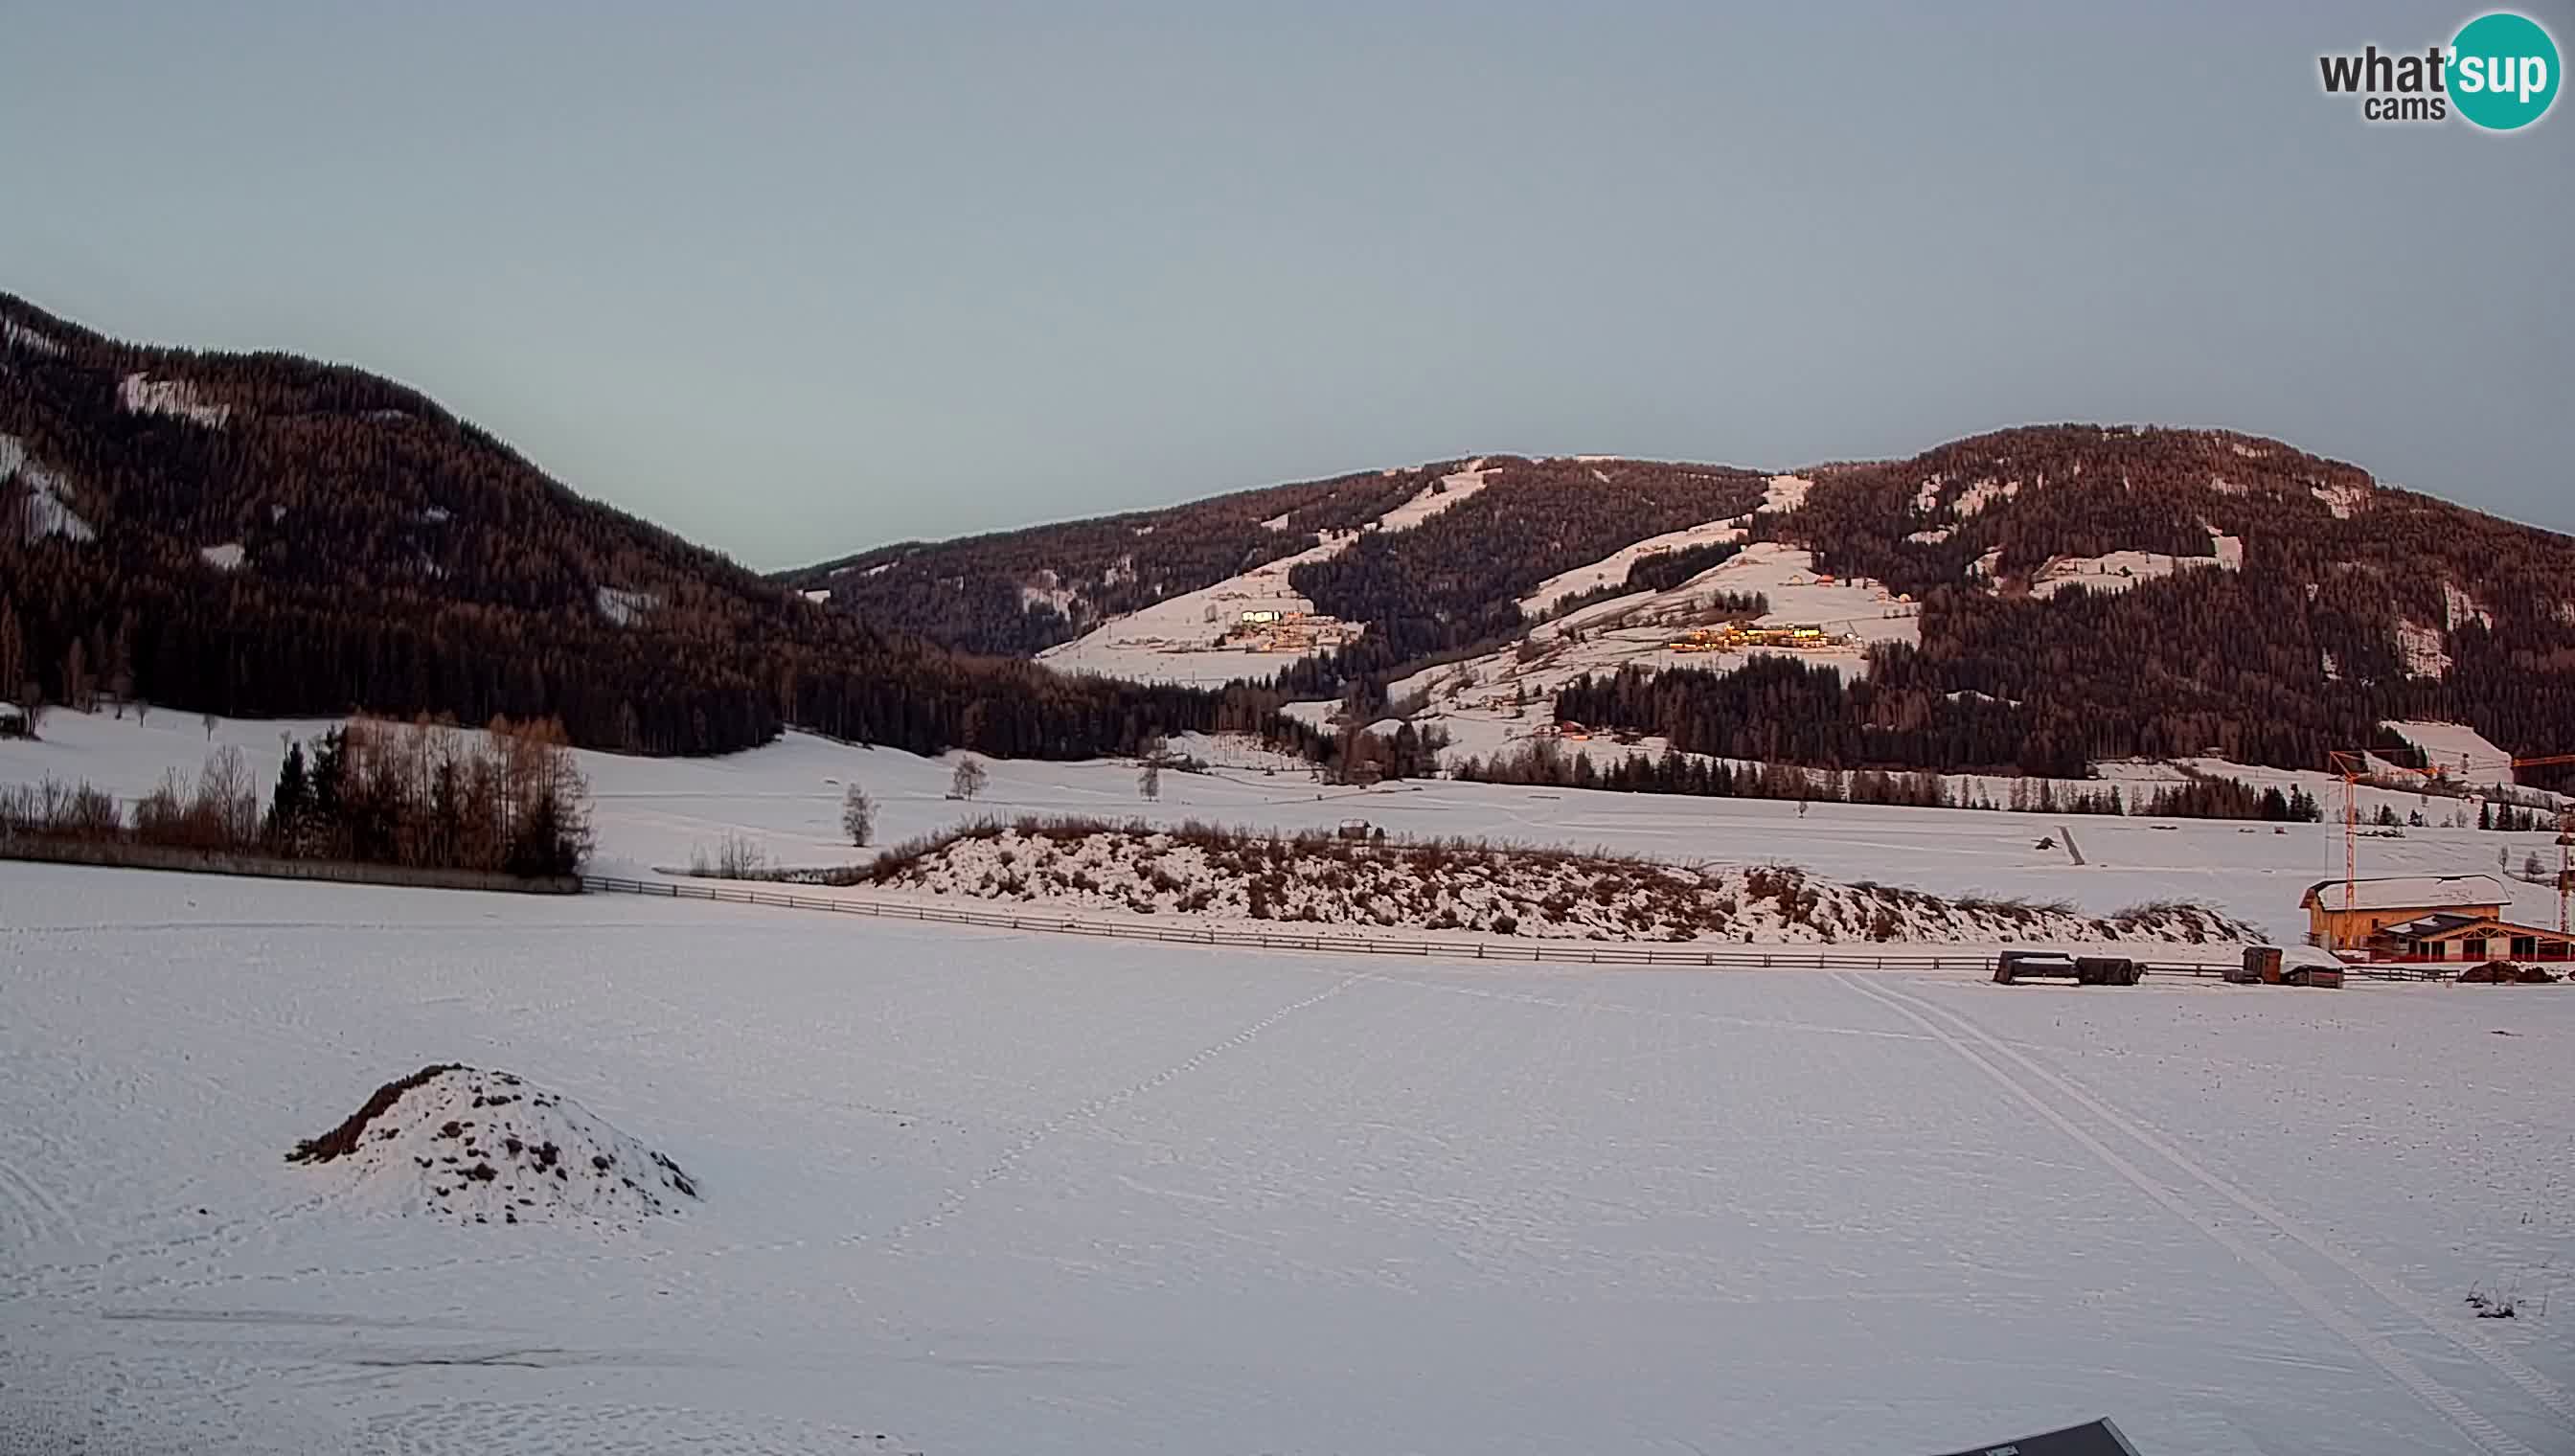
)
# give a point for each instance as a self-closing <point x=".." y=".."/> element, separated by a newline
<point x="2086" y="971"/>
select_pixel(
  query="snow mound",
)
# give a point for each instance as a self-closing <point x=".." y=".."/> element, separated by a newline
<point x="473" y="1146"/>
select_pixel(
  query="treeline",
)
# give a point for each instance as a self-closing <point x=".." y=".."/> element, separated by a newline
<point x="1358" y="755"/>
<point x="2233" y="798"/>
<point x="1666" y="570"/>
<point x="509" y="800"/>
<point x="263" y="535"/>
<point x="1543" y="761"/>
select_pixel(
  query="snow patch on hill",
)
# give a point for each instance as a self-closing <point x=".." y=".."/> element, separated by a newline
<point x="1049" y="593"/>
<point x="1933" y="537"/>
<point x="1982" y="494"/>
<point x="2458" y="609"/>
<point x="473" y="1146"/>
<point x="1182" y="639"/>
<point x="2423" y="650"/>
<point x="1782" y="494"/>
<point x="49" y="511"/>
<point x="224" y="557"/>
<point x="1451" y="491"/>
<point x="2120" y="569"/>
<point x="15" y="335"/>
<point x="2457" y="750"/>
<point x="1612" y="569"/>
<point x="623" y="608"/>
<point x="2342" y="501"/>
<point x="142" y="395"/>
<point x="1322" y="880"/>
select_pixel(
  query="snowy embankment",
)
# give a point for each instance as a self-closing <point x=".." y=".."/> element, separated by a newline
<point x="484" y="1147"/>
<point x="1550" y="894"/>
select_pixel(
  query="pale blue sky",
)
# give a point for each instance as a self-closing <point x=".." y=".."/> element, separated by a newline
<point x="795" y="279"/>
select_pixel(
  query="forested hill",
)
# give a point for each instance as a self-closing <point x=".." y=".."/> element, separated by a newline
<point x="259" y="533"/>
<point x="2086" y="591"/>
<point x="1455" y="578"/>
<point x="2092" y="593"/>
<point x="1019" y="592"/>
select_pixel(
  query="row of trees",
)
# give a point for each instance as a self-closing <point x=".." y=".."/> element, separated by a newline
<point x="1545" y="762"/>
<point x="2233" y="798"/>
<point x="510" y="799"/>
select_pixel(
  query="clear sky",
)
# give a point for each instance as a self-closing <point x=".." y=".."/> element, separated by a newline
<point x="795" y="280"/>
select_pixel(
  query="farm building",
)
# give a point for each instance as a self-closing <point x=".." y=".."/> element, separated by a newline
<point x="2454" y="936"/>
<point x="2375" y="904"/>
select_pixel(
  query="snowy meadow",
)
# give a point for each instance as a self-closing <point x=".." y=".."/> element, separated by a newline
<point x="969" y="1191"/>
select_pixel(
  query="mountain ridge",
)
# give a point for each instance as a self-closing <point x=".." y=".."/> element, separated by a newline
<point x="2096" y="591"/>
<point x="265" y="535"/>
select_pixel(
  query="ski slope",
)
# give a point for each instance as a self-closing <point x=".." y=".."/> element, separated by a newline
<point x="1178" y="640"/>
<point x="965" y="1192"/>
<point x="785" y="798"/>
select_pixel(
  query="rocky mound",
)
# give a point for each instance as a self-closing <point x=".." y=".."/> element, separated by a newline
<point x="477" y="1147"/>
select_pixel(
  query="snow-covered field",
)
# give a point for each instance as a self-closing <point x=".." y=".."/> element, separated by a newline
<point x="974" y="1192"/>
<point x="786" y="800"/>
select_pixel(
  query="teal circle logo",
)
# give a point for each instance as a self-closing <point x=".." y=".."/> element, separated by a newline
<point x="2503" y="71"/>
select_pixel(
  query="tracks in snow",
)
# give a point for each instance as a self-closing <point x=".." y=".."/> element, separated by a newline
<point x="30" y="1214"/>
<point x="2016" y="1072"/>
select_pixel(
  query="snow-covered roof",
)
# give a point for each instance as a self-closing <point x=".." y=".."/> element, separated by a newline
<point x="2434" y="927"/>
<point x="2409" y="891"/>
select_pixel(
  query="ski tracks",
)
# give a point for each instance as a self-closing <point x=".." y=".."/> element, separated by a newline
<point x="28" y="1213"/>
<point x="2015" y="1071"/>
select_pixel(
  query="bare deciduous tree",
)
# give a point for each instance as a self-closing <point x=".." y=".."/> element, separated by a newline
<point x="969" y="780"/>
<point x="857" y="815"/>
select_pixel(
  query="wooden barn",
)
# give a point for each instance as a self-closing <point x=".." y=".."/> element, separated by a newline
<point x="2427" y="917"/>
<point x="2449" y="936"/>
<point x="2392" y="900"/>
